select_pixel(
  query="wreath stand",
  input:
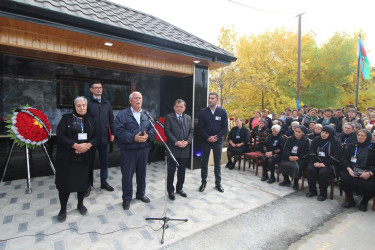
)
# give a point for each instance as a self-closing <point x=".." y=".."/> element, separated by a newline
<point x="28" y="190"/>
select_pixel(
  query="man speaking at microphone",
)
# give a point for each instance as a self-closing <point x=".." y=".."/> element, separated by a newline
<point x="134" y="133"/>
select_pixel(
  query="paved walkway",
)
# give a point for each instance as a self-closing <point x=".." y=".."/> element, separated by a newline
<point x="29" y="221"/>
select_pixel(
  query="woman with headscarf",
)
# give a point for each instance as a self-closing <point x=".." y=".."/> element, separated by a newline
<point x="325" y="156"/>
<point x="359" y="169"/>
<point x="75" y="137"/>
<point x="238" y="139"/>
<point x="295" y="156"/>
<point x="272" y="148"/>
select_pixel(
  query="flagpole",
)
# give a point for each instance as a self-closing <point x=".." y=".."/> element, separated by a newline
<point x="358" y="61"/>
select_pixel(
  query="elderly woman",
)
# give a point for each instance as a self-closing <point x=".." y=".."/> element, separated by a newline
<point x="359" y="169"/>
<point x="290" y="131"/>
<point x="325" y="156"/>
<point x="238" y="139"/>
<point x="272" y="148"/>
<point x="359" y="162"/>
<point x="311" y="117"/>
<point x="317" y="130"/>
<point x="328" y="118"/>
<point x="75" y="137"/>
<point x="295" y="157"/>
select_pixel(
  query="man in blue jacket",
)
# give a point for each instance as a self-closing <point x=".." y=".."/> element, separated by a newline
<point x="134" y="133"/>
<point x="100" y="109"/>
<point x="213" y="125"/>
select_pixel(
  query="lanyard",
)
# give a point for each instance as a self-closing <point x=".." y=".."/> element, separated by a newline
<point x="369" y="145"/>
<point x="80" y="123"/>
<point x="346" y="139"/>
<point x="321" y="149"/>
<point x="355" y="152"/>
<point x="297" y="143"/>
<point x="238" y="132"/>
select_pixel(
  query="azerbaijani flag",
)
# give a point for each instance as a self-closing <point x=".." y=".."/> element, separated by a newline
<point x="363" y="61"/>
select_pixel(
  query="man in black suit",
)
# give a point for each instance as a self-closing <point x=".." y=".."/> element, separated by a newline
<point x="179" y="132"/>
<point x="213" y="125"/>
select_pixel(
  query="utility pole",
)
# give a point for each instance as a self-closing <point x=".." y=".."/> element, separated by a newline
<point x="357" y="87"/>
<point x="299" y="60"/>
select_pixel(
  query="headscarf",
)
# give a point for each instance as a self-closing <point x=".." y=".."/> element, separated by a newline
<point x="74" y="108"/>
<point x="330" y="131"/>
<point x="368" y="139"/>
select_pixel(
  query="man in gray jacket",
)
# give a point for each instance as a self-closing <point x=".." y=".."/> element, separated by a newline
<point x="179" y="132"/>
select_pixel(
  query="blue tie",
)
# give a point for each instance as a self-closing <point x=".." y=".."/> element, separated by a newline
<point x="182" y="129"/>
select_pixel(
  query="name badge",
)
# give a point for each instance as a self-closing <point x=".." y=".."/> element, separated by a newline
<point x="82" y="136"/>
<point x="323" y="154"/>
<point x="218" y="118"/>
<point x="238" y="137"/>
<point x="353" y="159"/>
<point x="294" y="150"/>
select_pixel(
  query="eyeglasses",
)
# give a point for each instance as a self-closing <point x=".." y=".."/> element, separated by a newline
<point x="97" y="87"/>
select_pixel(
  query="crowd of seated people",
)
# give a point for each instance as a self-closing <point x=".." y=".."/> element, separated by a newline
<point x="322" y="144"/>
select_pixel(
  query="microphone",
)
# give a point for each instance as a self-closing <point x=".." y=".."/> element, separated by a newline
<point x="148" y="115"/>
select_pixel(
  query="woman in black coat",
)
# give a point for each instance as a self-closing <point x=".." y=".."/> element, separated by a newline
<point x="272" y="148"/>
<point x="238" y="139"/>
<point x="325" y="156"/>
<point x="75" y="137"/>
<point x="359" y="169"/>
<point x="295" y="157"/>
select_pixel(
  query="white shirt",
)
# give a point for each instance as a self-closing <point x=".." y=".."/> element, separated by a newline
<point x="213" y="111"/>
<point x="137" y="115"/>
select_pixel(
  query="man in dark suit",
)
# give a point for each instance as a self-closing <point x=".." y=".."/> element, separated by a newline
<point x="179" y="132"/>
<point x="100" y="108"/>
<point x="213" y="125"/>
<point x="134" y="133"/>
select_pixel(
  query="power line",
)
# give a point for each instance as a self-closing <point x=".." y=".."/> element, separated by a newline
<point x="267" y="11"/>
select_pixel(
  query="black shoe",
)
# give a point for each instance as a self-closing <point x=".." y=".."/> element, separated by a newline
<point x="107" y="187"/>
<point x="171" y="196"/>
<point x="285" y="183"/>
<point x="144" y="198"/>
<point x="321" y="198"/>
<point x="61" y="217"/>
<point x="82" y="209"/>
<point x="202" y="187"/>
<point x="296" y="186"/>
<point x="227" y="165"/>
<point x="348" y="204"/>
<point x="126" y="205"/>
<point x="87" y="193"/>
<point x="311" y="194"/>
<point x="182" y="193"/>
<point x="232" y="166"/>
<point x="271" y="180"/>
<point x="363" y="207"/>
<point x="219" y="188"/>
<point x="264" y="178"/>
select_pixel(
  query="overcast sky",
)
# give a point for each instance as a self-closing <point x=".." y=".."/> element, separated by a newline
<point x="204" y="18"/>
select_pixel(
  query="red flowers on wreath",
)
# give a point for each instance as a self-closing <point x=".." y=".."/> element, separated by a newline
<point x="159" y="125"/>
<point x="29" y="126"/>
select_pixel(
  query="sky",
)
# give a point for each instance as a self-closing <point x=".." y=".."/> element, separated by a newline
<point x="204" y="18"/>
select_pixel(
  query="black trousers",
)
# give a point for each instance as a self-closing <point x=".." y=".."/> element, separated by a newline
<point x="217" y="150"/>
<point x="321" y="174"/>
<point x="64" y="197"/>
<point x="180" y="174"/>
<point x="269" y="163"/>
<point x="365" y="187"/>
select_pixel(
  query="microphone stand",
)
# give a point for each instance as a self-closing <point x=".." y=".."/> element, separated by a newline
<point x="165" y="219"/>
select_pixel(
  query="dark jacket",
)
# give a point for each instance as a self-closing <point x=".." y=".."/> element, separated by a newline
<point x="216" y="124"/>
<point x="103" y="115"/>
<point x="351" y="138"/>
<point x="332" y="151"/>
<point x="333" y="120"/>
<point x="288" y="121"/>
<point x="244" y="137"/>
<point x="365" y="156"/>
<point x="354" y="120"/>
<point x="275" y="144"/>
<point x="306" y="121"/>
<point x="72" y="170"/>
<point x="303" y="148"/>
<point x="126" y="127"/>
<point x="172" y="130"/>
